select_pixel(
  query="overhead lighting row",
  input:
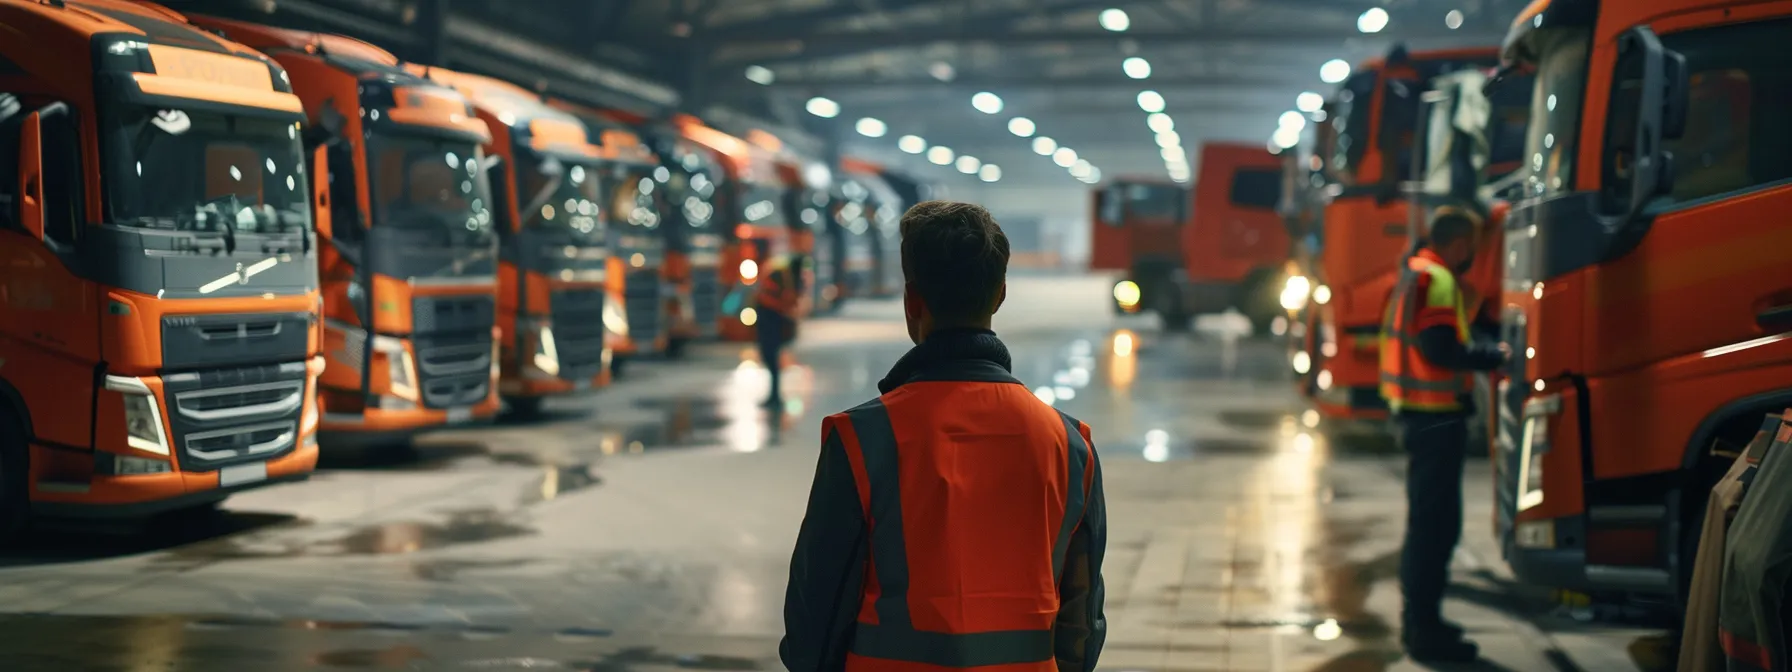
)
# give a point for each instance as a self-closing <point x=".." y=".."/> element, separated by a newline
<point x="872" y="127"/>
<point x="1064" y="157"/>
<point x="1163" y="130"/>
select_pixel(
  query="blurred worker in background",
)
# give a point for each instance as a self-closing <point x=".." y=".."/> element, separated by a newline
<point x="776" y="305"/>
<point x="956" y="521"/>
<point x="1427" y="362"/>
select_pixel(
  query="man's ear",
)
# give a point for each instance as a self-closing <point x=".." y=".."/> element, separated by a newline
<point x="1001" y="296"/>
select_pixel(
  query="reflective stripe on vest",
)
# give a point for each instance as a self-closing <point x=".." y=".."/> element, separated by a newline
<point x="870" y="441"/>
<point x="1408" y="381"/>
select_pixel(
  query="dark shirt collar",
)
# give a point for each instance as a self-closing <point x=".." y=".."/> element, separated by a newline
<point x="974" y="355"/>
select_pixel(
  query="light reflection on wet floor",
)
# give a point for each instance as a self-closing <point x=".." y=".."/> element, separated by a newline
<point x="649" y="526"/>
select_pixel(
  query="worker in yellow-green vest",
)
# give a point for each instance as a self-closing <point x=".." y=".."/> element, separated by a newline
<point x="1428" y="360"/>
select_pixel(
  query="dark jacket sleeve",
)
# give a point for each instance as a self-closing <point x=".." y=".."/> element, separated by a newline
<point x="827" y="570"/>
<point x="1440" y="346"/>
<point x="1082" y="628"/>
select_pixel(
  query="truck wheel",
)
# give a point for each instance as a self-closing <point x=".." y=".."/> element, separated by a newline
<point x="1177" y="321"/>
<point x="523" y="408"/>
<point x="675" y="348"/>
<point x="15" y="465"/>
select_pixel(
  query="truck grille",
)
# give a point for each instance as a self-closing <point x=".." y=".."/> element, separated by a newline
<point x="644" y="303"/>
<point x="221" y="417"/>
<point x="454" y="370"/>
<point x="578" y="319"/>
<point x="706" y="299"/>
<point x="453" y="341"/>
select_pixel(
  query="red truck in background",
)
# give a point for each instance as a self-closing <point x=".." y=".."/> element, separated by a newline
<point x="1226" y="252"/>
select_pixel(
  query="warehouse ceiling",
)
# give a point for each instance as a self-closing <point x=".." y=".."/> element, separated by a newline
<point x="1225" y="69"/>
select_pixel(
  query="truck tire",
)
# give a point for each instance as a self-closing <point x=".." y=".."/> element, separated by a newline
<point x="523" y="408"/>
<point x="1176" y="321"/>
<point x="675" y="348"/>
<point x="15" y="501"/>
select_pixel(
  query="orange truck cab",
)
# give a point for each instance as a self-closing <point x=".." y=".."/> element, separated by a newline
<point x="752" y="210"/>
<point x="161" y="305"/>
<point x="810" y="202"/>
<point x="634" y="180"/>
<point x="693" y="241"/>
<point x="1226" y="252"/>
<point x="557" y="326"/>
<point x="409" y="241"/>
<point x="857" y="225"/>
<point x="1367" y="155"/>
<point x="873" y="263"/>
<point x="1647" y="287"/>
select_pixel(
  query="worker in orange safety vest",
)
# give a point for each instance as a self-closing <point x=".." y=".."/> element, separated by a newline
<point x="775" y="308"/>
<point x="956" y="521"/>
<point x="1428" y="356"/>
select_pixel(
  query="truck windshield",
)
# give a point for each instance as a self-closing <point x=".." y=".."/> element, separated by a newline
<point x="1155" y="202"/>
<point x="422" y="182"/>
<point x="1555" y="111"/>
<point x="1510" y="121"/>
<point x="560" y="193"/>
<point x="199" y="171"/>
<point x="760" y="207"/>
<point x="693" y="194"/>
<point x="631" y="199"/>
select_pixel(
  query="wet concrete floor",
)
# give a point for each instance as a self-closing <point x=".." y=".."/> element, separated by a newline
<point x="648" y="526"/>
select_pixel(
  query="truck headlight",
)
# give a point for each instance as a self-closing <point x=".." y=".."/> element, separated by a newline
<point x="1533" y="446"/>
<point x="749" y="317"/>
<point x="749" y="270"/>
<point x="1322" y="295"/>
<point x="1126" y="293"/>
<point x="401" y="370"/>
<point x="547" y="354"/>
<point x="1295" y="292"/>
<point x="614" y="318"/>
<point x="142" y="416"/>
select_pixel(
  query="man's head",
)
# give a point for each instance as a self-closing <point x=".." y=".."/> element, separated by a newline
<point x="955" y="264"/>
<point x="1453" y="237"/>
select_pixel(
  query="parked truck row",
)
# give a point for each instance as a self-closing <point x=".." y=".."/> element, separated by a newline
<point x="226" y="243"/>
<point x="1627" y="168"/>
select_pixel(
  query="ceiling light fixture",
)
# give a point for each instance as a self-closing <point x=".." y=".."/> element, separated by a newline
<point x="912" y="144"/>
<point x="968" y="164"/>
<point x="1286" y="137"/>
<point x="1160" y="122"/>
<point x="1292" y="119"/>
<point x="1172" y="154"/>
<point x="1136" y="68"/>
<point x="1115" y="19"/>
<point x="940" y="156"/>
<point x="990" y="172"/>
<point x="1372" y="21"/>
<point x="1044" y="146"/>
<point x="759" y="74"/>
<point x="872" y="128"/>
<point x="1334" y="71"/>
<point x="823" y="107"/>
<point x="1309" y="101"/>
<point x="1453" y="20"/>
<point x="1151" y="101"/>
<point x="986" y="102"/>
<point x="1065" y="157"/>
<point x="1169" y="139"/>
<point x="1022" y="127"/>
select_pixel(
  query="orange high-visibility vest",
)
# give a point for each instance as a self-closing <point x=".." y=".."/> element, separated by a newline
<point x="969" y="529"/>
<point x="1408" y="381"/>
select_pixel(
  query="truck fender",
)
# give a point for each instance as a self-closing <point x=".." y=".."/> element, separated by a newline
<point x="13" y="402"/>
<point x="1765" y="402"/>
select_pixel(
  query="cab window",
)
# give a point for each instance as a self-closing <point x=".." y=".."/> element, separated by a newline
<point x="1350" y="122"/>
<point x="1257" y="188"/>
<point x="1740" y="86"/>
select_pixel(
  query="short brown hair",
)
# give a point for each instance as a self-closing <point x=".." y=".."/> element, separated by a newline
<point x="956" y="256"/>
<point x="1450" y="224"/>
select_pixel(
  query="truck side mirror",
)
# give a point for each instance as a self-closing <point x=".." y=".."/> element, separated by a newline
<point x="328" y="130"/>
<point x="1660" y="114"/>
<point x="31" y="175"/>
